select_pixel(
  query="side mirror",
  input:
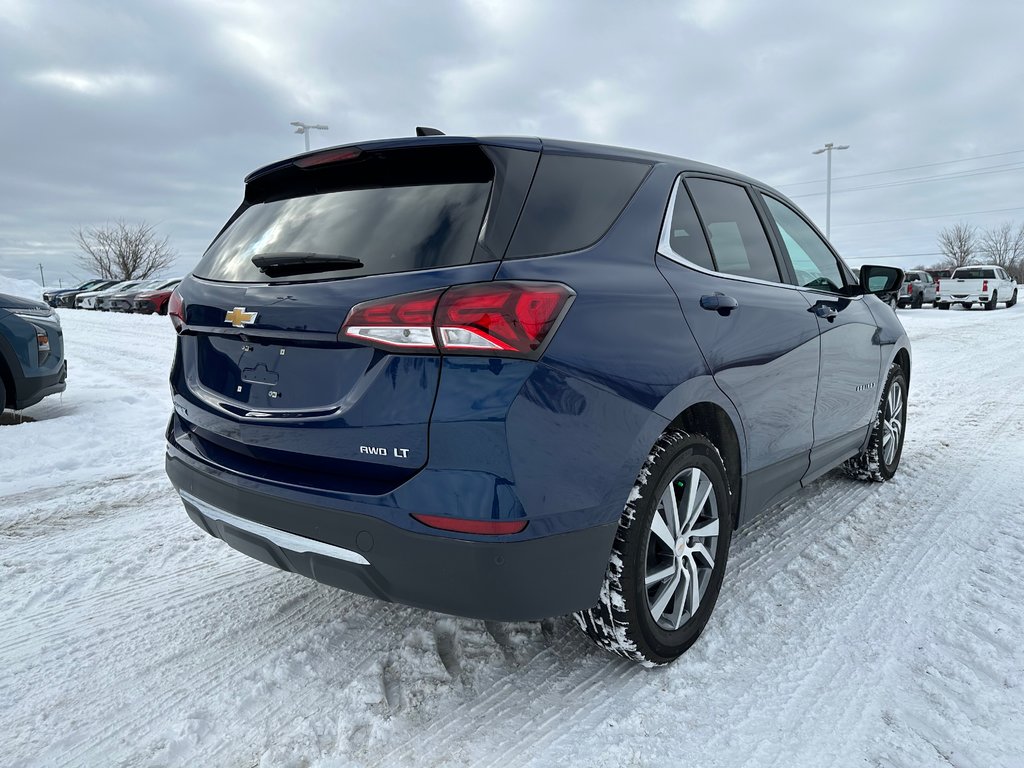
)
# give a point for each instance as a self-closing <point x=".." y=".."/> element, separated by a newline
<point x="879" y="280"/>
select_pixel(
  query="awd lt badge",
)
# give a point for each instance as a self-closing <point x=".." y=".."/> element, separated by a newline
<point x="238" y="317"/>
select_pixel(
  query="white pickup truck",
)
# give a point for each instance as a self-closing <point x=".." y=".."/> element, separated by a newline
<point x="985" y="284"/>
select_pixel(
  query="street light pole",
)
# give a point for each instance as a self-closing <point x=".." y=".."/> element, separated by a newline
<point x="304" y="129"/>
<point x="828" y="181"/>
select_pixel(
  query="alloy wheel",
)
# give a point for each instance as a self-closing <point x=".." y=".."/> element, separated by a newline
<point x="680" y="548"/>
<point x="892" y="424"/>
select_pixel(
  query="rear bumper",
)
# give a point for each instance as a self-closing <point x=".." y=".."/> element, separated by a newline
<point x="499" y="580"/>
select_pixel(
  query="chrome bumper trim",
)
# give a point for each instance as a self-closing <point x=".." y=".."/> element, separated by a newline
<point x="290" y="541"/>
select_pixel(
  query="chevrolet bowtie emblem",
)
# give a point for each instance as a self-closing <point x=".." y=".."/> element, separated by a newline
<point x="238" y="317"/>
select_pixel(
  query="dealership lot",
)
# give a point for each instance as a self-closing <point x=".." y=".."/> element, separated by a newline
<point x="860" y="623"/>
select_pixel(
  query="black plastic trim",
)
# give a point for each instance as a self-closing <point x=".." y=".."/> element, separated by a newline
<point x="501" y="581"/>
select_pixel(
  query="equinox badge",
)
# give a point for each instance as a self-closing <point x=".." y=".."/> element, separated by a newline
<point x="238" y="317"/>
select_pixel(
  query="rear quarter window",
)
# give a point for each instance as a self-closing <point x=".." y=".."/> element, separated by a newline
<point x="573" y="202"/>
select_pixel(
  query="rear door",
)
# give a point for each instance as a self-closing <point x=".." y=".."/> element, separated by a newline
<point x="263" y="383"/>
<point x="851" y="358"/>
<point x="756" y="333"/>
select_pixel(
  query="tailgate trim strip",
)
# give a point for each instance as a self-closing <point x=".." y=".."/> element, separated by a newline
<point x="289" y="541"/>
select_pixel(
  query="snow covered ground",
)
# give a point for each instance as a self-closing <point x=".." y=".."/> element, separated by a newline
<point x="859" y="624"/>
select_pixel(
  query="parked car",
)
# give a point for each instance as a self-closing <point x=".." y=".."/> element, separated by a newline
<point x="93" y="299"/>
<point x="918" y="288"/>
<point x="32" y="363"/>
<point x="124" y="301"/>
<point x="148" y="302"/>
<point x="566" y="409"/>
<point x="69" y="299"/>
<point x="52" y="296"/>
<point x="986" y="284"/>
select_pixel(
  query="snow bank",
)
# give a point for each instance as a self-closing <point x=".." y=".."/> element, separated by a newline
<point x="28" y="289"/>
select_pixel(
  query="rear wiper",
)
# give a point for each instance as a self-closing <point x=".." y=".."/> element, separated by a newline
<point x="286" y="263"/>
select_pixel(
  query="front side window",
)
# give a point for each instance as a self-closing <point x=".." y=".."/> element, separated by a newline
<point x="814" y="265"/>
<point x="738" y="241"/>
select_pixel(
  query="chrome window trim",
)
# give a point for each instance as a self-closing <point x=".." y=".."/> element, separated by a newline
<point x="285" y="540"/>
<point x="665" y="249"/>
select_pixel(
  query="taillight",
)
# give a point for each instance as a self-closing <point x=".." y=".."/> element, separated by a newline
<point x="463" y="525"/>
<point x="984" y="286"/>
<point x="938" y="286"/>
<point x="910" y="289"/>
<point x="508" y="319"/>
<point x="176" y="310"/>
<point x="397" y="322"/>
<point x="500" y="318"/>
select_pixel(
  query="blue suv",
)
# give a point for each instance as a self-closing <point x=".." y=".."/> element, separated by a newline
<point x="32" y="363"/>
<point x="513" y="378"/>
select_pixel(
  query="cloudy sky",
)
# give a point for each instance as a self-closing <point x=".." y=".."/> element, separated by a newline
<point x="155" y="110"/>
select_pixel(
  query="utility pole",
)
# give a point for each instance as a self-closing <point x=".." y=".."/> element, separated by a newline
<point x="42" y="280"/>
<point x="828" y="181"/>
<point x="301" y="127"/>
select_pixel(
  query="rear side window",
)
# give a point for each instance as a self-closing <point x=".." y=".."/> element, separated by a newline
<point x="573" y="202"/>
<point x="393" y="215"/>
<point x="683" y="236"/>
<point x="738" y="241"/>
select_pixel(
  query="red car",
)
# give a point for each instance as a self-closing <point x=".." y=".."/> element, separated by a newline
<point x="148" y="302"/>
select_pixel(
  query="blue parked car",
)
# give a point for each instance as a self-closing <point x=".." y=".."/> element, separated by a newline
<point x="32" y="363"/>
<point x="513" y="378"/>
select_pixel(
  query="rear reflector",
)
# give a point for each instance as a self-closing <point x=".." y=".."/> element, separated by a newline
<point x="461" y="525"/>
<point x="508" y="319"/>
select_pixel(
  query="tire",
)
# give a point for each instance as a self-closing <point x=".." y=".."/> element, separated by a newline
<point x="1013" y="299"/>
<point x="942" y="306"/>
<point x="885" y="446"/>
<point x="917" y="302"/>
<point x="655" y="624"/>
<point x="966" y="305"/>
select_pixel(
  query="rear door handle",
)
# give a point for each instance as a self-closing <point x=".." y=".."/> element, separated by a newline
<point x="720" y="303"/>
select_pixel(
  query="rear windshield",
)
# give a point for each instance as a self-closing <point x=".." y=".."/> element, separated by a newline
<point x="974" y="274"/>
<point x="391" y="220"/>
<point x="911" y="277"/>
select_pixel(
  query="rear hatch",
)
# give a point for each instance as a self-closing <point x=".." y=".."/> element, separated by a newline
<point x="263" y="382"/>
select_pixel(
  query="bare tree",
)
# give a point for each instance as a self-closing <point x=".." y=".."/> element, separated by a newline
<point x="123" y="251"/>
<point x="958" y="244"/>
